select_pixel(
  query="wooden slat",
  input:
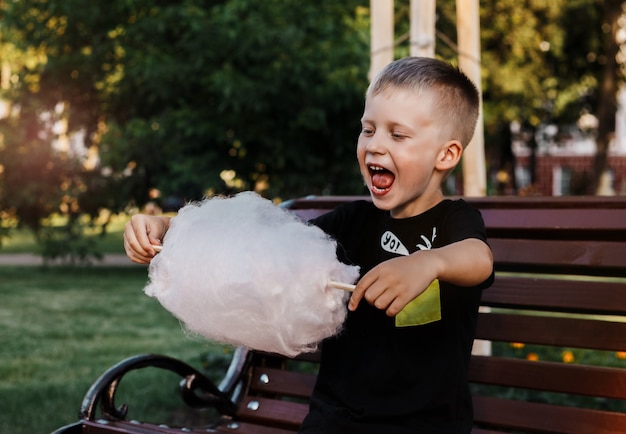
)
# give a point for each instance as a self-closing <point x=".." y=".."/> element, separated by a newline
<point x="488" y="202"/>
<point x="549" y="376"/>
<point x="587" y="223"/>
<point x="568" y="257"/>
<point x="607" y="298"/>
<point x="265" y="411"/>
<point x="126" y="427"/>
<point x="309" y="214"/>
<point x="280" y="382"/>
<point x="248" y="428"/>
<point x="321" y="202"/>
<point x="545" y="418"/>
<point x="486" y="431"/>
<point x="546" y="330"/>
<point x="555" y="203"/>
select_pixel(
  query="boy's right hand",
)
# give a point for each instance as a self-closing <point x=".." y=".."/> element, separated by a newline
<point x="143" y="232"/>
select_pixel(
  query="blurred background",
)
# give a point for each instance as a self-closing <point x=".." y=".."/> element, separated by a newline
<point x="112" y="107"/>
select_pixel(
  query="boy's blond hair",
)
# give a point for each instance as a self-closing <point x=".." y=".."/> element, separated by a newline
<point x="457" y="100"/>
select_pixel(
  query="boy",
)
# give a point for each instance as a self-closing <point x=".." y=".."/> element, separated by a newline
<point x="400" y="364"/>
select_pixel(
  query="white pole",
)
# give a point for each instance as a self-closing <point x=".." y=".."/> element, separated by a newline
<point x="423" y="16"/>
<point x="381" y="35"/>
<point x="468" y="29"/>
<point x="474" y="171"/>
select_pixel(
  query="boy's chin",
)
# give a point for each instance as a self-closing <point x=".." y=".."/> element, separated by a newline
<point x="382" y="202"/>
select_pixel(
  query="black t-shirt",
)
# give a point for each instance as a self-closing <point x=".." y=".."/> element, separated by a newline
<point x="377" y="376"/>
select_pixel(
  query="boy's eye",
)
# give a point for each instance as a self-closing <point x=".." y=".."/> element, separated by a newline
<point x="366" y="131"/>
<point x="398" y="136"/>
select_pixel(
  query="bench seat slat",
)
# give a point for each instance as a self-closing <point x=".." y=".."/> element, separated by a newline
<point x="545" y="418"/>
<point x="595" y="297"/>
<point x="545" y="330"/>
<point x="286" y="383"/>
<point x="248" y="428"/>
<point x="549" y="376"/>
<point x="272" y="412"/>
<point x="95" y="427"/>
<point x="125" y="427"/>
<point x="486" y="431"/>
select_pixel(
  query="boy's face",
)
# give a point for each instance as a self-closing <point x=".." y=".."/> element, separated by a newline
<point x="399" y="148"/>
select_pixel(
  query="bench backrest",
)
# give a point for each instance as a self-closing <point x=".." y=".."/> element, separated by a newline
<point x="560" y="288"/>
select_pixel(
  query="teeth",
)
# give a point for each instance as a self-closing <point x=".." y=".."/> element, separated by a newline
<point x="376" y="168"/>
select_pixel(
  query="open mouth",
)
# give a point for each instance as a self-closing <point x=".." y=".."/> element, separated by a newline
<point x="382" y="179"/>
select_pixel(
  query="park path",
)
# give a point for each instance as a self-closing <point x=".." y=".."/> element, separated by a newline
<point x="116" y="260"/>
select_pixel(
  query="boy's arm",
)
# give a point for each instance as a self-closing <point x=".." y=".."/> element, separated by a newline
<point x="392" y="284"/>
<point x="141" y="233"/>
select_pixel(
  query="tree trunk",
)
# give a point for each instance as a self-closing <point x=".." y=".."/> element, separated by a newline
<point x="607" y="97"/>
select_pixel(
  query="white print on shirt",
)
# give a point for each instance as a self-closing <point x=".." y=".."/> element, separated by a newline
<point x="392" y="244"/>
<point x="428" y="244"/>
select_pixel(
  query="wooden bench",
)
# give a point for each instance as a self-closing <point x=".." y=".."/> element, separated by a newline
<point x="560" y="285"/>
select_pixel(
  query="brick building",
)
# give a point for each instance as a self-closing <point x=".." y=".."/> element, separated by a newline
<point x="564" y="165"/>
<point x="564" y="172"/>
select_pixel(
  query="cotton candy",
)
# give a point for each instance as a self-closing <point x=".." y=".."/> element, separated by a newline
<point x="245" y="272"/>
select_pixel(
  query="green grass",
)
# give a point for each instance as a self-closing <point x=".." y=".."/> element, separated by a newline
<point x="60" y="328"/>
<point x="23" y="241"/>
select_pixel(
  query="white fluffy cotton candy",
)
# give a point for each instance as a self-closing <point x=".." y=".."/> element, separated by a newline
<point x="245" y="272"/>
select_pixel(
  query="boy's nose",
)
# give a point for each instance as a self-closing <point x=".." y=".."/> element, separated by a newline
<point x="375" y="145"/>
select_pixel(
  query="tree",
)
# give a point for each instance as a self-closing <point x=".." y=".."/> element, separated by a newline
<point x="611" y="76"/>
<point x="544" y="62"/>
<point x="193" y="97"/>
<point x="189" y="98"/>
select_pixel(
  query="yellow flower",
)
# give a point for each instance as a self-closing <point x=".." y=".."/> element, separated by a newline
<point x="568" y="357"/>
<point x="532" y="356"/>
<point x="621" y="354"/>
<point x="517" y="345"/>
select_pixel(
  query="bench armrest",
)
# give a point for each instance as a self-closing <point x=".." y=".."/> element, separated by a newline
<point x="196" y="389"/>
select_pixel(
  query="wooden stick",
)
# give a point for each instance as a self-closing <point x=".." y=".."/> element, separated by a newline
<point x="340" y="285"/>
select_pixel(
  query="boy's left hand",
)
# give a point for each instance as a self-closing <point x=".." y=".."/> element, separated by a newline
<point x="392" y="284"/>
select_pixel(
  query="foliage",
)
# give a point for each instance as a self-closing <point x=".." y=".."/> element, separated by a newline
<point x="20" y="241"/>
<point x="182" y="99"/>
<point x="177" y="93"/>
<point x="540" y="59"/>
<point x="68" y="244"/>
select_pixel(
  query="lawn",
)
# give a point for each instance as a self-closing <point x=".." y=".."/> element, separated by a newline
<point x="23" y="241"/>
<point x="60" y="328"/>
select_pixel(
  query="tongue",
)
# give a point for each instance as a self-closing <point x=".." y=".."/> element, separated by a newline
<point x="382" y="180"/>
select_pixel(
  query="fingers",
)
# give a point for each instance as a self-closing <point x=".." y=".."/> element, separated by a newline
<point x="135" y="255"/>
<point x="387" y="287"/>
<point x="378" y="292"/>
<point x="359" y="292"/>
<point x="140" y="234"/>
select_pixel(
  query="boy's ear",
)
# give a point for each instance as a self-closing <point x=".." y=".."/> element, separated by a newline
<point x="450" y="155"/>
